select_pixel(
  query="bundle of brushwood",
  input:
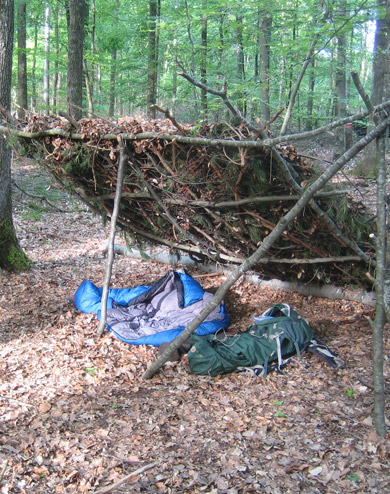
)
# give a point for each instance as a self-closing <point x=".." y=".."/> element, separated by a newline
<point x="212" y="192"/>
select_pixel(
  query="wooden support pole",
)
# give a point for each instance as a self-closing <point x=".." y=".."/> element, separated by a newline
<point x="110" y="252"/>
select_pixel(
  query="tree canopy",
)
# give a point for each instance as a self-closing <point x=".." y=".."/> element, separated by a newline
<point x="132" y="54"/>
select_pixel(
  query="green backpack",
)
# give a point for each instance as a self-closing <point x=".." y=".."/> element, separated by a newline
<point x="276" y="336"/>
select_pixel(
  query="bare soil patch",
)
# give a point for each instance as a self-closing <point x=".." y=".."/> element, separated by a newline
<point x="75" y="415"/>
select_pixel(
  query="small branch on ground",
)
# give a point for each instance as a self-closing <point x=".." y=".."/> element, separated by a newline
<point x="120" y="482"/>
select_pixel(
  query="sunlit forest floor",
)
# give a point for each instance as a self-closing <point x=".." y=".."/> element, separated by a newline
<point x="75" y="415"/>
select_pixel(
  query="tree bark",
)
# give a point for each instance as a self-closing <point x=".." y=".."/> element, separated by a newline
<point x="203" y="62"/>
<point x="56" y="78"/>
<point x="77" y="10"/>
<point x="381" y="282"/>
<point x="368" y="164"/>
<point x="265" y="25"/>
<point x="22" y="60"/>
<point x="153" y="23"/>
<point x="12" y="256"/>
<point x="46" y="64"/>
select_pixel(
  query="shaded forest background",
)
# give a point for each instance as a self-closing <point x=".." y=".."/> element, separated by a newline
<point x="134" y="50"/>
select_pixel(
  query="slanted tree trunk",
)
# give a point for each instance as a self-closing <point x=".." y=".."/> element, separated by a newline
<point x="22" y="59"/>
<point x="77" y="10"/>
<point x="266" y="244"/>
<point x="12" y="256"/>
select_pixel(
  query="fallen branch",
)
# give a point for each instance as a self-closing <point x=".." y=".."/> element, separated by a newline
<point x="120" y="482"/>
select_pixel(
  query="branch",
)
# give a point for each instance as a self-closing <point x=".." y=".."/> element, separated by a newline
<point x="69" y="118"/>
<point x="298" y="83"/>
<point x="362" y="92"/>
<point x="114" y="486"/>
<point x="200" y="141"/>
<point x="325" y="128"/>
<point x="110" y="255"/>
<point x="222" y="204"/>
<point x="223" y="96"/>
<point x="172" y="119"/>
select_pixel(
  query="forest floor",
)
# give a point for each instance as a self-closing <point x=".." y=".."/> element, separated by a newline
<point x="75" y="415"/>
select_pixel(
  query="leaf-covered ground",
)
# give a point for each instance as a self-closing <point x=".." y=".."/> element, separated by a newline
<point x="76" y="417"/>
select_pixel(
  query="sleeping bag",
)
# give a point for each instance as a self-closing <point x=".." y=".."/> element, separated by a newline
<point x="151" y="315"/>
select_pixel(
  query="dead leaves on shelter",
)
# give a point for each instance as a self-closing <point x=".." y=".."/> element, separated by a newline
<point x="214" y="202"/>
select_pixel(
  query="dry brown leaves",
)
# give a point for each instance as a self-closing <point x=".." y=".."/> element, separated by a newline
<point x="75" y="415"/>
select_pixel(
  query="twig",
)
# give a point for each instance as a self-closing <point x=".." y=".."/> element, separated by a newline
<point x="33" y="196"/>
<point x="3" y="470"/>
<point x="114" y="486"/>
<point x="267" y="124"/>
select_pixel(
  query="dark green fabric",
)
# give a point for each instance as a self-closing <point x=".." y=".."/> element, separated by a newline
<point x="212" y="356"/>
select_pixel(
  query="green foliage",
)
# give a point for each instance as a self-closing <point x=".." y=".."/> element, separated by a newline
<point x="231" y="27"/>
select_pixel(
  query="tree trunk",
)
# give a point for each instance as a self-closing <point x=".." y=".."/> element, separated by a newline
<point x="310" y="96"/>
<point x="241" y="99"/>
<point x="56" y="77"/>
<point x="77" y="11"/>
<point x="381" y="282"/>
<point x="297" y="85"/>
<point x="154" y="12"/>
<point x="341" y="78"/>
<point x="111" y="108"/>
<point x="88" y="87"/>
<point x="46" y="66"/>
<point x="265" y="24"/>
<point x="33" y="70"/>
<point x="369" y="162"/>
<point x="22" y="59"/>
<point x="203" y="62"/>
<point x="12" y="256"/>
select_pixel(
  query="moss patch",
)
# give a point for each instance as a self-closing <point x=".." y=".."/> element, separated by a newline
<point x="12" y="256"/>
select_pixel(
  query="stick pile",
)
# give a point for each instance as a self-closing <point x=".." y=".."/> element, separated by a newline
<point x="202" y="191"/>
